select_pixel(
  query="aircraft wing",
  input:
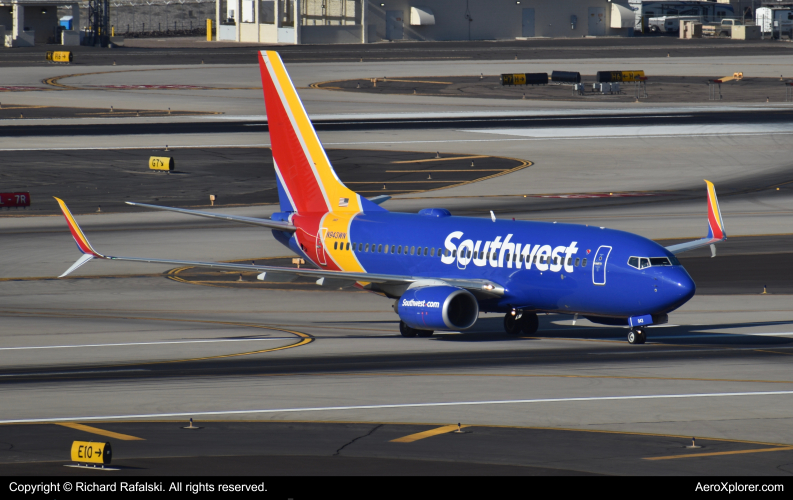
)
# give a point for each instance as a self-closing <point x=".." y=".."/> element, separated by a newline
<point x="716" y="232"/>
<point x="480" y="287"/>
<point x="272" y="224"/>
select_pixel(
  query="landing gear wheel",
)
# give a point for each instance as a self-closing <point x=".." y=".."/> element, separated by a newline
<point x="637" y="336"/>
<point x="405" y="330"/>
<point x="424" y="333"/>
<point x="530" y="323"/>
<point x="513" y="324"/>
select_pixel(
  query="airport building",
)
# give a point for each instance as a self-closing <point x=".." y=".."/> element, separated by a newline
<point x="364" y="21"/>
<point x="24" y="23"/>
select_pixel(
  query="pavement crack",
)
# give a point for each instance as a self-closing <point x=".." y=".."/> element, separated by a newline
<point x="356" y="439"/>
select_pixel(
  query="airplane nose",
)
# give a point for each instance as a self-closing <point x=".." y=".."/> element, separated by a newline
<point x="680" y="287"/>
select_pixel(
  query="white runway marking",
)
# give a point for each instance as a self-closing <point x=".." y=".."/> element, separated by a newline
<point x="73" y="373"/>
<point x="639" y="132"/>
<point x="711" y="336"/>
<point x="140" y="343"/>
<point x="393" y="406"/>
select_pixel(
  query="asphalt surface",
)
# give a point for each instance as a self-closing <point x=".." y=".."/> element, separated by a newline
<point x="122" y="342"/>
<point x="657" y="89"/>
<point x="90" y="179"/>
<point x="363" y="449"/>
<point x="253" y="125"/>
<point x="197" y="51"/>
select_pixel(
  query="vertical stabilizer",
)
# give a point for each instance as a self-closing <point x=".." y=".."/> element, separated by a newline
<point x="307" y="182"/>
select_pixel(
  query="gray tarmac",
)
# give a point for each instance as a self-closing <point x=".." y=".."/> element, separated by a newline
<point x="122" y="347"/>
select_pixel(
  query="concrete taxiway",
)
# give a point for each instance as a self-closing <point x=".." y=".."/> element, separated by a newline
<point x="289" y="375"/>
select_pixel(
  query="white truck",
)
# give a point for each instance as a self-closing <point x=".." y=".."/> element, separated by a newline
<point x="775" y="22"/>
<point x="668" y="24"/>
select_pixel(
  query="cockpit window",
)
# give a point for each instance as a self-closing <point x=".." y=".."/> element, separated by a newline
<point x="644" y="262"/>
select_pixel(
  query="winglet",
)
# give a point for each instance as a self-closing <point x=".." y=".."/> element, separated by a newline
<point x="715" y="221"/>
<point x="82" y="242"/>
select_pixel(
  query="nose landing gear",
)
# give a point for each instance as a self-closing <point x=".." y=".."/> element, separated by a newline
<point x="637" y="336"/>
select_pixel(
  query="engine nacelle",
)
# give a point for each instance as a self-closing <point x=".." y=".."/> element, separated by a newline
<point x="438" y="308"/>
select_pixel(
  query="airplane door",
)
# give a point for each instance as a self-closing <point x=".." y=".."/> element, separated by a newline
<point x="393" y="25"/>
<point x="321" y="246"/>
<point x="527" y="26"/>
<point x="599" y="265"/>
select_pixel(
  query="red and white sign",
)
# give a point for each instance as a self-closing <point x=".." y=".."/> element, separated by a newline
<point x="14" y="200"/>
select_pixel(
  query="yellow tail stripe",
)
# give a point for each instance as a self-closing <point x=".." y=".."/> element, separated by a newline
<point x="714" y="203"/>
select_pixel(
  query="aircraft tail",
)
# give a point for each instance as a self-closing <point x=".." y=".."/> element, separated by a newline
<point x="306" y="179"/>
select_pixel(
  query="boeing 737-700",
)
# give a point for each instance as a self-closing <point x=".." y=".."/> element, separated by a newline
<point x="444" y="270"/>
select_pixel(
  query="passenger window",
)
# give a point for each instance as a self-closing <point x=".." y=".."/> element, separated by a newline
<point x="454" y="253"/>
<point x="634" y="262"/>
<point x="412" y="250"/>
<point x="432" y="252"/>
<point x="360" y="247"/>
<point x="393" y="248"/>
<point x="426" y="251"/>
<point x="399" y="250"/>
<point x="583" y="263"/>
<point x="366" y="249"/>
<point x="577" y="261"/>
<point x="335" y="245"/>
<point x="380" y="248"/>
<point x="440" y="251"/>
<point x="348" y="246"/>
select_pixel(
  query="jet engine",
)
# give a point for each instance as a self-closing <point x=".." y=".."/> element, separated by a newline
<point x="438" y="308"/>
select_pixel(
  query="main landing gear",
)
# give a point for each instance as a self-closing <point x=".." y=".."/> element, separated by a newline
<point x="637" y="336"/>
<point x="519" y="322"/>
<point x="407" y="331"/>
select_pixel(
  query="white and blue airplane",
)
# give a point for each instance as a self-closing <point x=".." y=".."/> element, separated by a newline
<point x="441" y="269"/>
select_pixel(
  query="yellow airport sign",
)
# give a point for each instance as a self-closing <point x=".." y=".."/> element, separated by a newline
<point x="59" y="56"/>
<point x="92" y="453"/>
<point x="620" y="76"/>
<point x="161" y="163"/>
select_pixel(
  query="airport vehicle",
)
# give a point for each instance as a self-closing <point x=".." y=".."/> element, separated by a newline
<point x="722" y="29"/>
<point x="776" y="22"/>
<point x="444" y="270"/>
<point x="704" y="11"/>
<point x="668" y="24"/>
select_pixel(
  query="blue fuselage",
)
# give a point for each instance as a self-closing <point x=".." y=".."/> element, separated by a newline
<point x="542" y="266"/>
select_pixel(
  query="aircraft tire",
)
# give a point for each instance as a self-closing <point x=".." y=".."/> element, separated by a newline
<point x="406" y="331"/>
<point x="636" y="336"/>
<point x="513" y="324"/>
<point x="530" y="323"/>
<point x="424" y="333"/>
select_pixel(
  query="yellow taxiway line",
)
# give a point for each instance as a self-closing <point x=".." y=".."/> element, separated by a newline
<point x="101" y="432"/>
<point x="432" y="432"/>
